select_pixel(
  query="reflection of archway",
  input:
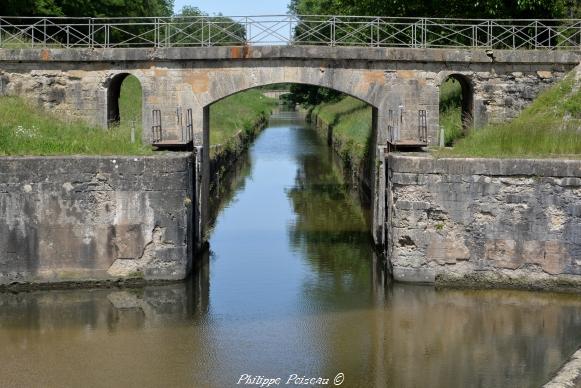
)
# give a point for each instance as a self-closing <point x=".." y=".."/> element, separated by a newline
<point x="467" y="100"/>
<point x="113" y="94"/>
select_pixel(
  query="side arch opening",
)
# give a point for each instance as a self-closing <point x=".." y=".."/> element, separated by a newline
<point x="456" y="107"/>
<point x="124" y="99"/>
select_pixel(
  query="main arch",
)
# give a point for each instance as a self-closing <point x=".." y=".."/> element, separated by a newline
<point x="202" y="140"/>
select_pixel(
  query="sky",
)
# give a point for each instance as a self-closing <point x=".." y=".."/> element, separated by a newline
<point x="236" y="7"/>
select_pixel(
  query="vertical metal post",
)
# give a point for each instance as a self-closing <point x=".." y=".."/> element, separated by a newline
<point x="248" y="37"/>
<point x="290" y="31"/>
<point x="68" y="34"/>
<point x="333" y="36"/>
<point x="132" y="131"/>
<point x="377" y="23"/>
<point x="91" y="33"/>
<point x="489" y="34"/>
<point x="424" y="33"/>
<point x="44" y="33"/>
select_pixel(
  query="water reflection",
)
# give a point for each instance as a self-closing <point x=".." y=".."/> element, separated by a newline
<point x="292" y="285"/>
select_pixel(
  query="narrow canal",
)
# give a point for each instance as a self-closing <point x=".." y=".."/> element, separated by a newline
<point x="291" y="286"/>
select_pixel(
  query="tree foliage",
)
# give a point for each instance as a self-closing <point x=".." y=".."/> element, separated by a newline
<point x="506" y="9"/>
<point x="89" y="8"/>
<point x="309" y="95"/>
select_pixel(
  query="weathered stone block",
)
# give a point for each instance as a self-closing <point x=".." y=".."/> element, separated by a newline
<point x="508" y="218"/>
<point x="94" y="218"/>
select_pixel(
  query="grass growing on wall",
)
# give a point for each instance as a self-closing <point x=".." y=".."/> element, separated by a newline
<point x="351" y="121"/>
<point x="28" y="130"/>
<point x="549" y="127"/>
<point x="238" y="112"/>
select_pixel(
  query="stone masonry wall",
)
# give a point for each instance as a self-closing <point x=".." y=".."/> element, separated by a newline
<point x="485" y="222"/>
<point x="403" y="81"/>
<point x="75" y="219"/>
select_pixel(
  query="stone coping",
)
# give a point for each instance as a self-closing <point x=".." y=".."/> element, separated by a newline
<point x="569" y="375"/>
<point x="558" y="168"/>
<point x="421" y="55"/>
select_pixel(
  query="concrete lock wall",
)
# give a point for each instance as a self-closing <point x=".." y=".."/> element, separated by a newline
<point x="73" y="219"/>
<point x="485" y="222"/>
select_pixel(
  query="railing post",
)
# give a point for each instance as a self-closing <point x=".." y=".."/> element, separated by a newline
<point x="489" y="34"/>
<point x="68" y="34"/>
<point x="333" y="36"/>
<point x="156" y="32"/>
<point x="91" y="33"/>
<point x="107" y="35"/>
<point x="377" y="32"/>
<point x="44" y="33"/>
<point x="425" y="36"/>
<point x="248" y="37"/>
<point x="202" y="39"/>
<point x="536" y="34"/>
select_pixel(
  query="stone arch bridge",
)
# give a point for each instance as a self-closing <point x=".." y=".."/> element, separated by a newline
<point x="401" y="85"/>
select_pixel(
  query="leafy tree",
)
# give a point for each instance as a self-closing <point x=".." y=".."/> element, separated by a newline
<point x="505" y="9"/>
<point x="308" y="95"/>
<point x="87" y="8"/>
<point x="215" y="30"/>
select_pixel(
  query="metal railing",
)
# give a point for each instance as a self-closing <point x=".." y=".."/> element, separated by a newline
<point x="203" y="31"/>
<point x="156" y="135"/>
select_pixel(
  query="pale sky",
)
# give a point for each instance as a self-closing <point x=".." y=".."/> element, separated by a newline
<point x="236" y="7"/>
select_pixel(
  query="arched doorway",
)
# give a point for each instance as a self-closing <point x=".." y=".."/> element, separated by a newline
<point x="124" y="99"/>
<point x="456" y="107"/>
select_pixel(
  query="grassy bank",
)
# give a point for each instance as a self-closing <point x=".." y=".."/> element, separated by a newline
<point x="549" y="127"/>
<point x="26" y="129"/>
<point x="351" y="122"/>
<point x="29" y="130"/>
<point x="237" y="117"/>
